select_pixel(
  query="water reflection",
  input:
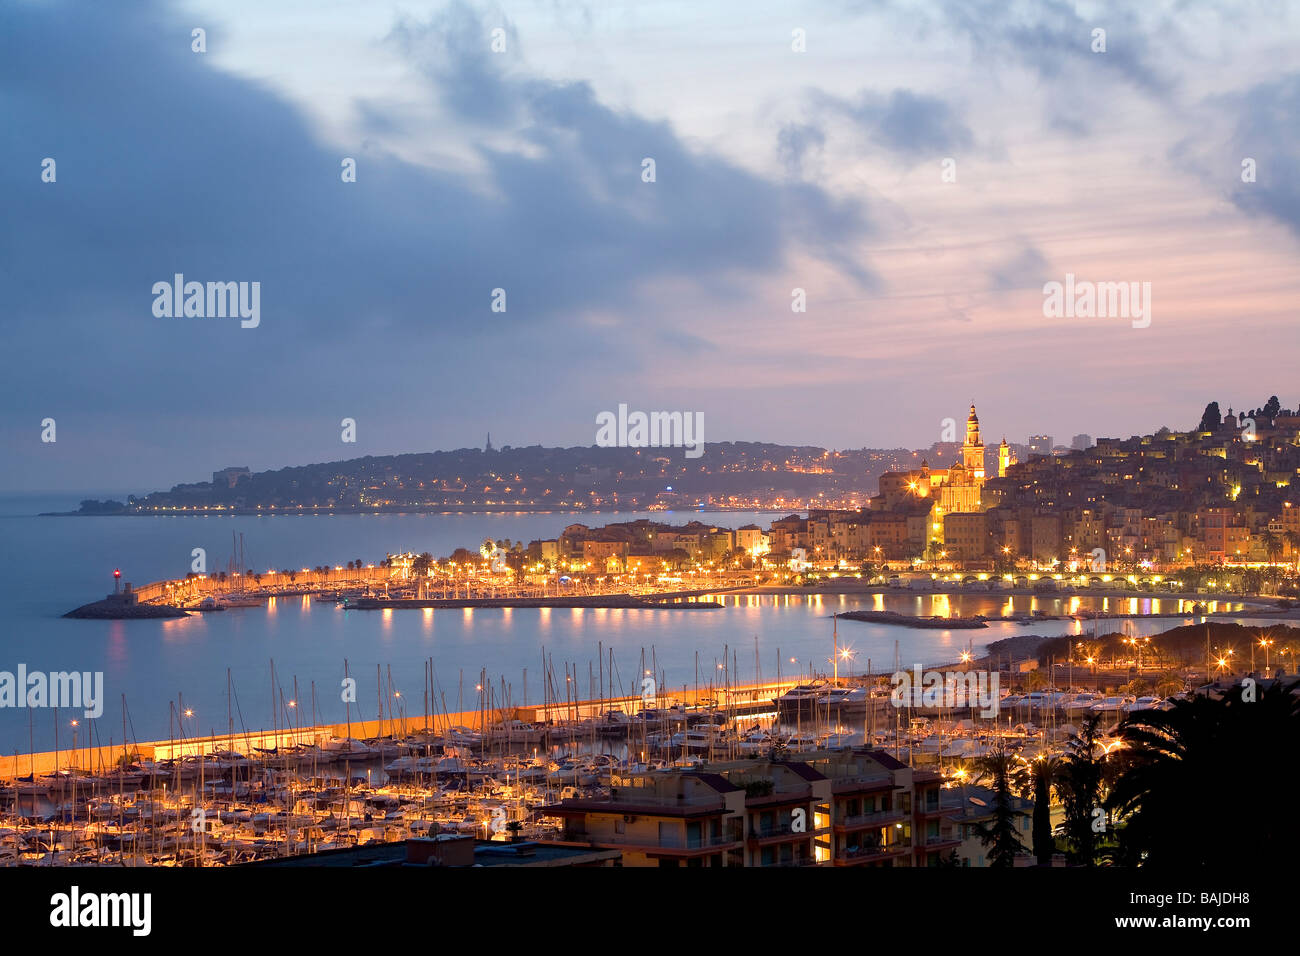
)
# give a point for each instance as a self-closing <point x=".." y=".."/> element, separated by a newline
<point x="147" y="661"/>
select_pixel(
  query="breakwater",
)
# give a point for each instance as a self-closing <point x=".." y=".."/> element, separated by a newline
<point x="739" y="699"/>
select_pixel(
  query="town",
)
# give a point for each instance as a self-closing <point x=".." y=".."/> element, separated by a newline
<point x="1209" y="510"/>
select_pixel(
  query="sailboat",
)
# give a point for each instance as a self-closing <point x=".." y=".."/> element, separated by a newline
<point x="238" y="598"/>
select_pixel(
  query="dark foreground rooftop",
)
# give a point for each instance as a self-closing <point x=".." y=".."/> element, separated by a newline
<point x="449" y="849"/>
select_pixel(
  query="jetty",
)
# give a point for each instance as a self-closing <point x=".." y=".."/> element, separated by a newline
<point x="677" y="601"/>
<point x="910" y="620"/>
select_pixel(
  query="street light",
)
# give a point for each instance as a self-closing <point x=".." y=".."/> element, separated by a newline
<point x="1266" y="643"/>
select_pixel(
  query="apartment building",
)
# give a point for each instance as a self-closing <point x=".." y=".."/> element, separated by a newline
<point x="831" y="808"/>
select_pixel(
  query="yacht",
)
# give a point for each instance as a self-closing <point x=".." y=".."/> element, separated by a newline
<point x="515" y="732"/>
<point x="612" y="723"/>
<point x="1111" y="705"/>
<point x="1148" y="703"/>
<point x="349" y="749"/>
<point x="239" y="600"/>
<point x="1081" y="702"/>
<point x="822" y="696"/>
<point x="699" y="737"/>
<point x="754" y="742"/>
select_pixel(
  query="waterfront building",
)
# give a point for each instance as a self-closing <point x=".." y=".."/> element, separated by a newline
<point x="972" y="807"/>
<point x="966" y="536"/>
<point x="847" y="807"/>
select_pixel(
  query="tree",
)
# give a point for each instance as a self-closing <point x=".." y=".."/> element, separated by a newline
<point x="1045" y="772"/>
<point x="1271" y="408"/>
<point x="999" y="837"/>
<point x="1211" y="418"/>
<point x="1252" y="580"/>
<point x="1080" y="789"/>
<point x="1272" y="543"/>
<point x="1169" y="683"/>
<point x="1136" y="687"/>
<point x="1191" y="769"/>
<point x="951" y="861"/>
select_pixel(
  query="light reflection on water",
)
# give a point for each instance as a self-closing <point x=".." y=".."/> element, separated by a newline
<point x="49" y="565"/>
<point x="151" y="662"/>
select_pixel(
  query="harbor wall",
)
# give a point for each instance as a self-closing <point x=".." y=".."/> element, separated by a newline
<point x="98" y="758"/>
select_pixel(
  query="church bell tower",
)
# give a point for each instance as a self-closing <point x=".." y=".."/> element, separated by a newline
<point x="972" y="451"/>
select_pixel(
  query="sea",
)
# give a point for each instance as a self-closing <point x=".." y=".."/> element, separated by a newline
<point x="160" y="673"/>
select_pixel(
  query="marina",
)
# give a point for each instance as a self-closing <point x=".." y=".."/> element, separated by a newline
<point x="493" y="773"/>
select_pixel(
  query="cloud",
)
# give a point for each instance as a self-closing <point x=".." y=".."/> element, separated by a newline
<point x="1025" y="269"/>
<point x="1054" y="39"/>
<point x="378" y="287"/>
<point x="908" y="124"/>
<point x="1268" y="131"/>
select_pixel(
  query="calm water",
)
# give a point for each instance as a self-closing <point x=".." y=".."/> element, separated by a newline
<point x="50" y="565"/>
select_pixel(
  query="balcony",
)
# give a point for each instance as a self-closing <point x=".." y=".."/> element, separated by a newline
<point x="679" y="846"/>
<point x="945" y="839"/>
<point x="860" y="856"/>
<point x="862" y="784"/>
<point x="869" y="821"/>
<point x="777" y="833"/>
<point x="801" y="795"/>
<point x="634" y="803"/>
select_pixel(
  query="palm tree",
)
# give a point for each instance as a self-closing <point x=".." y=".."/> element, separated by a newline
<point x="1080" y="789"/>
<point x="1199" y="766"/>
<point x="1137" y="687"/>
<point x="1169" y="683"/>
<point x="1036" y="680"/>
<point x="1045" y="773"/>
<point x="1000" y="835"/>
<point x="1292" y="538"/>
<point x="1252" y="580"/>
<point x="1272" y="544"/>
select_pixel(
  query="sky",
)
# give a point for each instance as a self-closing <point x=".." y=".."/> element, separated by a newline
<point x="920" y="170"/>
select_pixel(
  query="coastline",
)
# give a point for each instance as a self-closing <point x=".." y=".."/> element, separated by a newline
<point x="273" y="512"/>
<point x="1255" y="606"/>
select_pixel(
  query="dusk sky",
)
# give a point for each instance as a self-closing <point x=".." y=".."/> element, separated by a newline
<point x="775" y="169"/>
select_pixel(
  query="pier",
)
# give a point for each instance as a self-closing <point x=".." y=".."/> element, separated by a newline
<point x="743" y="700"/>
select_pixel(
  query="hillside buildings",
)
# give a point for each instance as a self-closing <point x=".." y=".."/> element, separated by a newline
<point x="842" y="808"/>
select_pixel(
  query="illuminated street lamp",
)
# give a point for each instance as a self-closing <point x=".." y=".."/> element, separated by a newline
<point x="1266" y="643"/>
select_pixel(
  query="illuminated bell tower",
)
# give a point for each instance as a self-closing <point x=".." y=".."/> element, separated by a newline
<point x="1005" y="460"/>
<point x="972" y="452"/>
